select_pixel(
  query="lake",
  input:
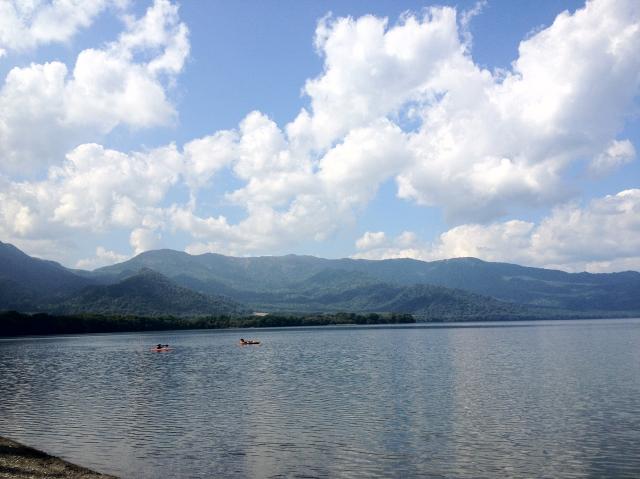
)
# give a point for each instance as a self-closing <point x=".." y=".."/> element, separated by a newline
<point x="520" y="399"/>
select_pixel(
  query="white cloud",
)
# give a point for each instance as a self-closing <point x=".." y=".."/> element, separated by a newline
<point x="352" y="171"/>
<point x="45" y="109"/>
<point x="617" y="154"/>
<point x="26" y="24"/>
<point x="490" y="143"/>
<point x="313" y="176"/>
<point x="206" y="156"/>
<point x="403" y="101"/>
<point x="372" y="70"/>
<point x="94" y="191"/>
<point x="484" y="143"/>
<point x="379" y="246"/>
<point x="159" y="30"/>
<point x="98" y="188"/>
<point x="607" y="231"/>
<point x="371" y="240"/>
<point x="602" y="236"/>
<point x="274" y="174"/>
<point x="103" y="257"/>
<point x="144" y="239"/>
<point x="287" y="198"/>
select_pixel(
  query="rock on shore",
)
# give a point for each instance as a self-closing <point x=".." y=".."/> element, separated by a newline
<point x="22" y="462"/>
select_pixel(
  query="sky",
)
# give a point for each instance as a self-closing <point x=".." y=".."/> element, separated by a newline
<point x="506" y="131"/>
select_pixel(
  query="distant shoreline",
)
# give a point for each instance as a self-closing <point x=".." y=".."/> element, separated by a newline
<point x="14" y="324"/>
<point x="19" y="461"/>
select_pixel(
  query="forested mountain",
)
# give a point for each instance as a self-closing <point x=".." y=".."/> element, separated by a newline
<point x="146" y="293"/>
<point x="166" y="282"/>
<point x="264" y="273"/>
<point x="26" y="281"/>
<point x="426" y="302"/>
<point x="245" y="278"/>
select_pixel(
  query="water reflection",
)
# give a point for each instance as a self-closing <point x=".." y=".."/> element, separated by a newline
<point x="533" y="399"/>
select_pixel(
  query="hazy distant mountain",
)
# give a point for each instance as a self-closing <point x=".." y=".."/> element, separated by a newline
<point x="147" y="293"/>
<point x="426" y="302"/>
<point x="248" y="279"/>
<point x="31" y="284"/>
<point x="264" y="273"/>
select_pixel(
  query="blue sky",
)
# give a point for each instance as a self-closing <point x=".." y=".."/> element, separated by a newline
<point x="502" y="130"/>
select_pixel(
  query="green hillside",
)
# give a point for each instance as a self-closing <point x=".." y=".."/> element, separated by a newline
<point x="147" y="293"/>
<point x="24" y="278"/>
<point x="253" y="280"/>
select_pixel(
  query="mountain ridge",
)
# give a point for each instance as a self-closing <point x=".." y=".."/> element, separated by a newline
<point x="146" y="293"/>
<point x="504" y="281"/>
<point x="175" y="282"/>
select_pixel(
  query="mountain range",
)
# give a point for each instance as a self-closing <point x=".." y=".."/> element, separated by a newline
<point x="167" y="282"/>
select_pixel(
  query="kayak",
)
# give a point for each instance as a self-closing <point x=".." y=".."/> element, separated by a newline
<point x="161" y="350"/>
<point x="249" y="342"/>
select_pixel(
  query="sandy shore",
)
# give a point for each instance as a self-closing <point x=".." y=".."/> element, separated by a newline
<point x="21" y="462"/>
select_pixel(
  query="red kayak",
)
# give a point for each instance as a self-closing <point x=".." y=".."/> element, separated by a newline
<point x="161" y="350"/>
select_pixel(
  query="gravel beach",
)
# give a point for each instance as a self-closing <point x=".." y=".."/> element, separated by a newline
<point x="18" y="461"/>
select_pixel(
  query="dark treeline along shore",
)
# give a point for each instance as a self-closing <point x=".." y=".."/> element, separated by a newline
<point x="13" y="323"/>
<point x="168" y="289"/>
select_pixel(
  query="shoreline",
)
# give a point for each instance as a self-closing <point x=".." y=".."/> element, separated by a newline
<point x="467" y="323"/>
<point x="18" y="461"/>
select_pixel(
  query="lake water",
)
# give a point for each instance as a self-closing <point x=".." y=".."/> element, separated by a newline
<point x="526" y="399"/>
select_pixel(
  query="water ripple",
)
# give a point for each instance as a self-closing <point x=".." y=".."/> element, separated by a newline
<point x="545" y="400"/>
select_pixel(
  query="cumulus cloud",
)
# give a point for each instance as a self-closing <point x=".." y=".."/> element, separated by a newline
<point x="103" y="257"/>
<point x="481" y="144"/>
<point x="602" y="236"/>
<point x="371" y="240"/>
<point x="46" y="108"/>
<point x="95" y="190"/>
<point x="290" y="196"/>
<point x="377" y="245"/>
<point x="403" y="102"/>
<point x="617" y="154"/>
<point x="372" y="70"/>
<point x="493" y="141"/>
<point x="25" y="25"/>
<point x="204" y="157"/>
<point x="144" y="239"/>
<point x="485" y="141"/>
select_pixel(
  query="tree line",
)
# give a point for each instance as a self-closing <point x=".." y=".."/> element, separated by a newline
<point x="13" y="323"/>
